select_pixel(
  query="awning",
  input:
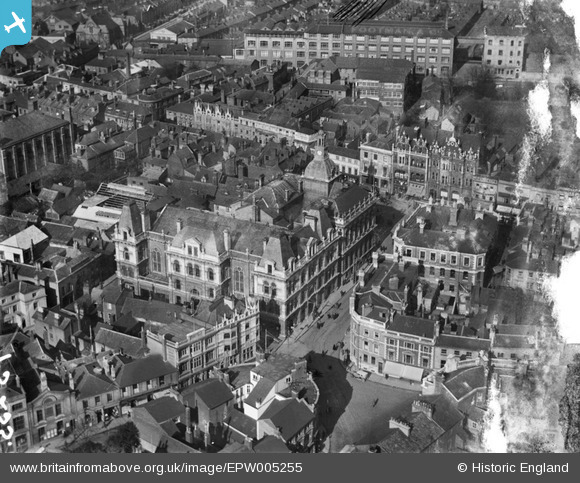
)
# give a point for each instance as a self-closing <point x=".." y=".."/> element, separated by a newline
<point x="402" y="371"/>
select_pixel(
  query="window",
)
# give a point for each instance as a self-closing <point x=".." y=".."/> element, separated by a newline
<point x="210" y="274"/>
<point x="97" y="400"/>
<point x="176" y="266"/>
<point x="431" y="270"/>
<point x="465" y="275"/>
<point x="266" y="288"/>
<point x="273" y="290"/>
<point x="109" y="397"/>
<point x="161" y="380"/>
<point x="489" y="52"/>
<point x="452" y="288"/>
<point x="58" y="409"/>
<point x="190" y="269"/>
<point x="443" y="258"/>
<point x="39" y="415"/>
<point x="196" y="271"/>
<point x="452" y="273"/>
<point x="18" y="423"/>
<point x="125" y="253"/>
<point x="441" y="272"/>
<point x="156" y="260"/>
<point x="466" y="261"/>
<point x="453" y="260"/>
<point x="238" y="280"/>
<point x="177" y="285"/>
<point x="433" y="256"/>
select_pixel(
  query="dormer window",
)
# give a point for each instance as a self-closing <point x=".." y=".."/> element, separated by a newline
<point x="124" y="235"/>
<point x="269" y="268"/>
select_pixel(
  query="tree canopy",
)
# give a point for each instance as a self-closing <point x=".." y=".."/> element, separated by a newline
<point x="570" y="407"/>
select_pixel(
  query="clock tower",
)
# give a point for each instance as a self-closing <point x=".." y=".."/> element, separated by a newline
<point x="320" y="173"/>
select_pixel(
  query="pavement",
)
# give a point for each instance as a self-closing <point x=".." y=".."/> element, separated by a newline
<point x="98" y="433"/>
<point x="351" y="411"/>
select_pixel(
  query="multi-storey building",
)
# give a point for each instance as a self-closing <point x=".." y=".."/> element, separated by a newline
<point x="379" y="336"/>
<point x="420" y="166"/>
<point x="20" y="300"/>
<point x="385" y="81"/>
<point x="28" y="144"/>
<point x="219" y="334"/>
<point x="534" y="251"/>
<point x="503" y="50"/>
<point x="448" y="244"/>
<point x="428" y="45"/>
<point x="190" y="254"/>
<point x="452" y="167"/>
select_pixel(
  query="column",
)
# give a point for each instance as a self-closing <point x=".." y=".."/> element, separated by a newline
<point x="54" y="153"/>
<point x="35" y="154"/>
<point x="44" y="151"/>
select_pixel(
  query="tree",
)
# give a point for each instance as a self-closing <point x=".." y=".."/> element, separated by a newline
<point x="570" y="407"/>
<point x="125" y="439"/>
<point x="89" y="447"/>
<point x="483" y="82"/>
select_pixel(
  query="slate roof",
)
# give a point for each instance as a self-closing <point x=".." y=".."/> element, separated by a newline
<point x="213" y="392"/>
<point x="90" y="380"/>
<point x="115" y="341"/>
<point x="165" y="409"/>
<point x="206" y="225"/>
<point x="461" y="382"/>
<point x="25" y="237"/>
<point x="15" y="130"/>
<point x="438" y="234"/>
<point x="407" y="324"/>
<point x="259" y="392"/>
<point x="289" y="416"/>
<point x="135" y="371"/>
<point x="277" y="367"/>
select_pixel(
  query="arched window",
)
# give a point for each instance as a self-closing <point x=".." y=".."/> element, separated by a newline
<point x="189" y="269"/>
<point x="196" y="271"/>
<point x="156" y="260"/>
<point x="176" y="266"/>
<point x="125" y="253"/>
<point x="273" y="290"/>
<point x="266" y="288"/>
<point x="177" y="285"/>
<point x="238" y="280"/>
<point x="210" y="274"/>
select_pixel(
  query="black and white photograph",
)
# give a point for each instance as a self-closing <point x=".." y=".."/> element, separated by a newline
<point x="256" y="227"/>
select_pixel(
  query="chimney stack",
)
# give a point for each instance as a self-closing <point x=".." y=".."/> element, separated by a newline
<point x="264" y="244"/>
<point x="188" y="430"/>
<point x="43" y="382"/>
<point x="128" y="65"/>
<point x="227" y="240"/>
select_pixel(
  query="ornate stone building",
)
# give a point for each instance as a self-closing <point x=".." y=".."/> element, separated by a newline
<point x="187" y="255"/>
<point x="28" y="145"/>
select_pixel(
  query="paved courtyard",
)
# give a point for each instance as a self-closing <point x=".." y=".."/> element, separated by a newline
<point x="348" y="411"/>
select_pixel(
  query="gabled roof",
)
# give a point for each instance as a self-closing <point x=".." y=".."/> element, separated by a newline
<point x="213" y="392"/>
<point x="134" y="371"/>
<point x="27" y="236"/>
<point x="289" y="417"/>
<point x="165" y="409"/>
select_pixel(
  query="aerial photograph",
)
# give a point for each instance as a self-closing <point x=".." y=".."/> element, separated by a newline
<point x="290" y="226"/>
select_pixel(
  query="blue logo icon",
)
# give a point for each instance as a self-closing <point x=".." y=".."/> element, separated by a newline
<point x="15" y="23"/>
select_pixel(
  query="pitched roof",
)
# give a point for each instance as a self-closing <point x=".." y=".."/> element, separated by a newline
<point x="23" y="239"/>
<point x="116" y="341"/>
<point x="165" y="409"/>
<point x="288" y="416"/>
<point x="15" y="130"/>
<point x="213" y="392"/>
<point x="135" y="371"/>
<point x="412" y="325"/>
<point x="461" y="382"/>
